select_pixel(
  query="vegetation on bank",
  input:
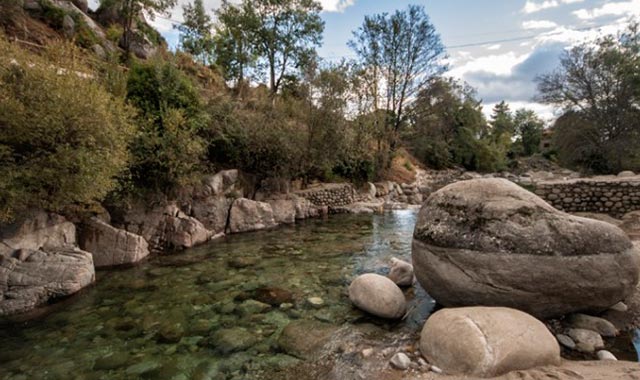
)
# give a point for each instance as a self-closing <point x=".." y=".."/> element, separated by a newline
<point x="246" y="89"/>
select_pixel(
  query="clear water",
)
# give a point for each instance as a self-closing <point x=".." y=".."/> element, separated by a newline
<point x="160" y="319"/>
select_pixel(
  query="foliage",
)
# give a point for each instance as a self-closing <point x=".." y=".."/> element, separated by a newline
<point x="169" y="150"/>
<point x="597" y="87"/>
<point x="63" y="138"/>
<point x="448" y="129"/>
<point x="280" y="34"/>
<point x="399" y="54"/>
<point x="195" y="32"/>
<point x="528" y="132"/>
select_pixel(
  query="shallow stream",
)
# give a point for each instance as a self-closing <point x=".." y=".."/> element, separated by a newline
<point x="163" y="319"/>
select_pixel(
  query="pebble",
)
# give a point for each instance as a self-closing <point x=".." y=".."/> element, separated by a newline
<point x="422" y="362"/>
<point x="620" y="306"/>
<point x="566" y="341"/>
<point x="586" y="340"/>
<point x="316" y="302"/>
<point x="605" y="355"/>
<point x="367" y="352"/>
<point x="435" y="369"/>
<point x="400" y="361"/>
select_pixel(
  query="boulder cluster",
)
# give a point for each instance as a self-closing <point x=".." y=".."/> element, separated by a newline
<point x="498" y="258"/>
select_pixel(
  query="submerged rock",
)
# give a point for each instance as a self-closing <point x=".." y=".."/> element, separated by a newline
<point x="487" y="341"/>
<point x="303" y="339"/>
<point x="227" y="341"/>
<point x="378" y="295"/>
<point x="490" y="242"/>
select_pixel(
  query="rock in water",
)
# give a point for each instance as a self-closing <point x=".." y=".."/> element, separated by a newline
<point x="490" y="242"/>
<point x="377" y="295"/>
<point x="401" y="272"/>
<point x="303" y="339"/>
<point x="111" y="246"/>
<point x="487" y="341"/>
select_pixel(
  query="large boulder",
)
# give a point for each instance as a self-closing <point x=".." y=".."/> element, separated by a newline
<point x="377" y="295"/>
<point x="183" y="231"/>
<point x="212" y="211"/>
<point x="111" y="246"/>
<point x="487" y="341"/>
<point x="29" y="278"/>
<point x="247" y="215"/>
<point x="490" y="242"/>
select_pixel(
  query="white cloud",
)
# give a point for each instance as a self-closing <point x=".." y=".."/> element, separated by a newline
<point x="336" y="5"/>
<point x="533" y="6"/>
<point x="498" y="64"/>
<point x="620" y="8"/>
<point x="494" y="47"/>
<point x="544" y="111"/>
<point x="538" y="24"/>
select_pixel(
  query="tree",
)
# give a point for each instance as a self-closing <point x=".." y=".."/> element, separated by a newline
<point x="130" y="12"/>
<point x="285" y="35"/>
<point x="502" y="121"/>
<point x="406" y="52"/>
<point x="528" y="132"/>
<point x="234" y="53"/>
<point x="598" y="84"/>
<point x="195" y="32"/>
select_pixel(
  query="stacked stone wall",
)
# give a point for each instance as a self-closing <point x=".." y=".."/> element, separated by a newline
<point x="330" y="195"/>
<point x="613" y="196"/>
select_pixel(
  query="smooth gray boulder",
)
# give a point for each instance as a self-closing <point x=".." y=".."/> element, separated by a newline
<point x="401" y="272"/>
<point x="284" y="210"/>
<point x="111" y="246"/>
<point x="377" y="295"/>
<point x="247" y="215"/>
<point x="490" y="242"/>
<point x="36" y="231"/>
<point x="29" y="278"/>
<point x="487" y="341"/>
<point x="599" y="325"/>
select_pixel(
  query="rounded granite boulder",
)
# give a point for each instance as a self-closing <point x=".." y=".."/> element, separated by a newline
<point x="490" y="242"/>
<point x="377" y="295"/>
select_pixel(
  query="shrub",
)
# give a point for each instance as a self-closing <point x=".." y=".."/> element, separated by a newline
<point x="169" y="150"/>
<point x="63" y="138"/>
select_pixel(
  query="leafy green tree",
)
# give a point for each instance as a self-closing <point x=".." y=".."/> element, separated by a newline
<point x="406" y="51"/>
<point x="233" y="44"/>
<point x="285" y="36"/>
<point x="597" y="86"/>
<point x="63" y="137"/>
<point x="528" y="132"/>
<point x="195" y="32"/>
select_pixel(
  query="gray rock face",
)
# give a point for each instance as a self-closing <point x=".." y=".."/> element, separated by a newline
<point x="586" y="340"/>
<point x="39" y="231"/>
<point x="111" y="246"/>
<point x="377" y="295"/>
<point x="183" y="231"/>
<point x="213" y="212"/>
<point x="247" y="215"/>
<point x="490" y="242"/>
<point x="29" y="278"/>
<point x="487" y="341"/>
<point x="284" y="210"/>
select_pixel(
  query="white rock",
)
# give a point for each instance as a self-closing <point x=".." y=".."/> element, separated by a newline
<point x="620" y="306"/>
<point x="316" y="302"/>
<point x="367" y="352"/>
<point x="435" y="369"/>
<point x="605" y="355"/>
<point x="400" y="361"/>
<point x="401" y="272"/>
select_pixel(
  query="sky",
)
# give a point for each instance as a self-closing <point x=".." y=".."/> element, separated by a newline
<point x="496" y="46"/>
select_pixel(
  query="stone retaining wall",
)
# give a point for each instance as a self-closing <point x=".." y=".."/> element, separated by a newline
<point x="608" y="195"/>
<point x="334" y="194"/>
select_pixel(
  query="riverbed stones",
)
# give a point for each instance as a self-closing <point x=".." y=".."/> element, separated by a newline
<point x="401" y="272"/>
<point x="566" y="341"/>
<point x="487" y="341"/>
<point x="490" y="242"/>
<point x="304" y="338"/>
<point x="605" y="355"/>
<point x="599" y="325"/>
<point x="29" y="278"/>
<point x="400" y="361"/>
<point x="227" y="341"/>
<point x="586" y="340"/>
<point x="111" y="246"/>
<point x="377" y="295"/>
<point x="247" y="215"/>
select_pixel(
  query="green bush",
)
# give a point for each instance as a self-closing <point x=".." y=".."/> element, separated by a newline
<point x="63" y="138"/>
<point x="169" y="149"/>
